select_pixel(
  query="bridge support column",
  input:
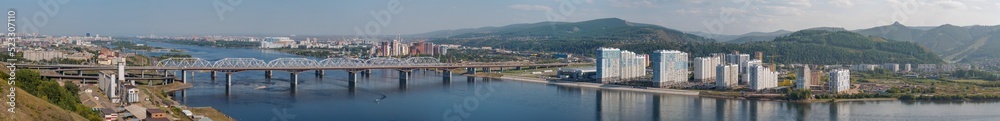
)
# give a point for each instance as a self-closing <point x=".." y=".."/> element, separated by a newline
<point x="404" y="75"/>
<point x="294" y="79"/>
<point x="320" y="72"/>
<point x="229" y="79"/>
<point x="446" y="75"/>
<point x="79" y="73"/>
<point x="517" y="68"/>
<point x="470" y="70"/>
<point x="501" y="69"/>
<point x="268" y="74"/>
<point x="213" y="75"/>
<point x="486" y="70"/>
<point x="352" y="79"/>
<point x="183" y="76"/>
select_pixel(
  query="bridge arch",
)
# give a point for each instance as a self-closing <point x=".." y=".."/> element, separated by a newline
<point x="184" y="62"/>
<point x="292" y="62"/>
<point x="342" y="62"/>
<point x="240" y="62"/>
<point x="423" y="61"/>
<point x="383" y="61"/>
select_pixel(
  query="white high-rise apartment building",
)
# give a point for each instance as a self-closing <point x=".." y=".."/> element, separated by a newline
<point x="669" y="66"/>
<point x="745" y="68"/>
<point x="726" y="75"/>
<point x="840" y="80"/>
<point x="704" y="68"/>
<point x="762" y="77"/>
<point x="608" y="65"/>
<point x="615" y="65"/>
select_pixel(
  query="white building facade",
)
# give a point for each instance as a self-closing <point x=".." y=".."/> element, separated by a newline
<point x="726" y="75"/>
<point x="608" y="65"/>
<point x="840" y="80"/>
<point x="762" y="77"/>
<point x="705" y="68"/>
<point x="669" y="66"/>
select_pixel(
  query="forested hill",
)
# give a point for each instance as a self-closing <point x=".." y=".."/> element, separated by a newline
<point x="810" y="47"/>
<point x="806" y="46"/>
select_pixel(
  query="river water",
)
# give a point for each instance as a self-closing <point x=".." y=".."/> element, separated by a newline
<point x="427" y="97"/>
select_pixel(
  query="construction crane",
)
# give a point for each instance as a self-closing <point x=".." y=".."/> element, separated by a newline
<point x="773" y="65"/>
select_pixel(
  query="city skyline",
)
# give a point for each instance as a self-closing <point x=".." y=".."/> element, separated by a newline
<point x="222" y="17"/>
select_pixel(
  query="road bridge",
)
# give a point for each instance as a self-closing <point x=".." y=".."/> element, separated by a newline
<point x="353" y="66"/>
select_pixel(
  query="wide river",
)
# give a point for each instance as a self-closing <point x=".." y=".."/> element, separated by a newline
<point x="380" y="97"/>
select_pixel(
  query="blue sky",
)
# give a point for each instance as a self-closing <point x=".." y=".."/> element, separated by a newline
<point x="341" y="17"/>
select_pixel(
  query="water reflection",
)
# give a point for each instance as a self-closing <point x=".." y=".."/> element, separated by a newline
<point x="633" y="106"/>
<point x="840" y="112"/>
<point x="623" y="106"/>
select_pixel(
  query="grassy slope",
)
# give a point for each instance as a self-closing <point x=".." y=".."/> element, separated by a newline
<point x="33" y="108"/>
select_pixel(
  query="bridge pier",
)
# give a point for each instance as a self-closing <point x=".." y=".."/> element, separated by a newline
<point x="320" y="73"/>
<point x="229" y="80"/>
<point x="268" y="74"/>
<point x="486" y="70"/>
<point x="446" y="75"/>
<point x="501" y="69"/>
<point x="294" y="79"/>
<point x="404" y="75"/>
<point x="352" y="79"/>
<point x="213" y="75"/>
<point x="183" y="76"/>
<point x="470" y="70"/>
<point x="517" y="68"/>
<point x="79" y="73"/>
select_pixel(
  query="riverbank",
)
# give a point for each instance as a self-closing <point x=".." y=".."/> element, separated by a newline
<point x="699" y="93"/>
<point x="598" y="86"/>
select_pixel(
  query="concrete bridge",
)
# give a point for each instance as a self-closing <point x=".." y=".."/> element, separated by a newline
<point x="353" y="66"/>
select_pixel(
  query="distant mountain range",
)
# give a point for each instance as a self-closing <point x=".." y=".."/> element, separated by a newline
<point x="612" y="29"/>
<point x="952" y="43"/>
<point x="823" y="45"/>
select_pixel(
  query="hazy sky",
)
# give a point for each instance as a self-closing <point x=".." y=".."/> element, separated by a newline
<point x="341" y="17"/>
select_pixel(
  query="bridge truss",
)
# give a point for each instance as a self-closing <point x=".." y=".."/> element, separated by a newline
<point x="299" y="62"/>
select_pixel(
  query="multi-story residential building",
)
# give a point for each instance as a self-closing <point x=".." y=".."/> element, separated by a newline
<point x="608" y="65"/>
<point x="704" y="68"/>
<point x="840" y="80"/>
<point x="726" y="75"/>
<point x="802" y="76"/>
<point x="890" y="66"/>
<point x="762" y="77"/>
<point x="907" y="67"/>
<point x="736" y="58"/>
<point x="745" y="68"/>
<point x="669" y="66"/>
<point x="817" y="77"/>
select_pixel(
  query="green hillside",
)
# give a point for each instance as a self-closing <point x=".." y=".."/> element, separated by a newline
<point x="607" y="29"/>
<point x="951" y="43"/>
<point x="814" y="46"/>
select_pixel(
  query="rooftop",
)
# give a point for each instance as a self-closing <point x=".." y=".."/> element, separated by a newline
<point x="154" y="111"/>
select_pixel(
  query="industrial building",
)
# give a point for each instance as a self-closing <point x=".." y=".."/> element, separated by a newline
<point x="578" y="74"/>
